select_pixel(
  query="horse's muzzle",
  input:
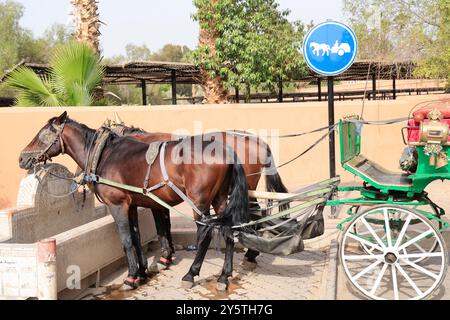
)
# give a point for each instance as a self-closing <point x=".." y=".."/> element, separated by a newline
<point x="26" y="162"/>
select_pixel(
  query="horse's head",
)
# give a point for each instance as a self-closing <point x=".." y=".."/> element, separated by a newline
<point x="46" y="144"/>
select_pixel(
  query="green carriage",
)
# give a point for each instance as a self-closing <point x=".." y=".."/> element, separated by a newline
<point x="393" y="248"/>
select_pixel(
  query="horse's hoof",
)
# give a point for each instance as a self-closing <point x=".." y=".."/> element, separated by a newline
<point x="220" y="286"/>
<point x="157" y="267"/>
<point x="187" y="284"/>
<point x="248" y="265"/>
<point x="129" y="285"/>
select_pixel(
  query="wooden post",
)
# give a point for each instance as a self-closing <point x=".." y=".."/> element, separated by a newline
<point x="319" y="89"/>
<point x="144" y="92"/>
<point x="174" y="87"/>
<point x="236" y="94"/>
<point x="194" y="92"/>
<point x="280" y="91"/>
<point x="394" y="90"/>
<point x="46" y="270"/>
<point x="374" y="87"/>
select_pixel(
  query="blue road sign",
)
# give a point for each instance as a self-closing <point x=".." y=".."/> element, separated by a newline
<point x="330" y="48"/>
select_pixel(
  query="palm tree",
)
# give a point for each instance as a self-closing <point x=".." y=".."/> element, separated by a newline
<point x="213" y="87"/>
<point x="87" y="23"/>
<point x="75" y="73"/>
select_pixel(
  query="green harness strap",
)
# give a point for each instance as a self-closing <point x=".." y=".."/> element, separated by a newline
<point x="111" y="183"/>
<point x="315" y="201"/>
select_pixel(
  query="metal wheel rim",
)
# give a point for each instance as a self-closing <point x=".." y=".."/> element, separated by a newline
<point x="395" y="269"/>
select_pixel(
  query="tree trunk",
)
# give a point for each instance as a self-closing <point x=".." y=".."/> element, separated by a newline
<point x="214" y="91"/>
<point x="247" y="93"/>
<point x="87" y="23"/>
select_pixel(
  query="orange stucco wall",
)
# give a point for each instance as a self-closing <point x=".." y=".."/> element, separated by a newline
<point x="383" y="144"/>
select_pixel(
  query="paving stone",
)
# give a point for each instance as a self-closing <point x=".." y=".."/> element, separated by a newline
<point x="295" y="277"/>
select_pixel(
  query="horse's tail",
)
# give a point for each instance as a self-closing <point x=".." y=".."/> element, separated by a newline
<point x="273" y="178"/>
<point x="237" y="208"/>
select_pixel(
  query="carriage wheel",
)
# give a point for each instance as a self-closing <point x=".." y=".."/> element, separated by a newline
<point x="391" y="270"/>
<point x="377" y="225"/>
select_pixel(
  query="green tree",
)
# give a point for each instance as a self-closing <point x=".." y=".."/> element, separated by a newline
<point x="58" y="34"/>
<point x="248" y="42"/>
<point x="402" y="30"/>
<point x="171" y="52"/>
<point x="137" y="53"/>
<point x="10" y="33"/>
<point x="75" y="73"/>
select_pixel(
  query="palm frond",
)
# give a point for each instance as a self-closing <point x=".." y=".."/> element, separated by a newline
<point x="79" y="95"/>
<point x="76" y="64"/>
<point x="32" y="89"/>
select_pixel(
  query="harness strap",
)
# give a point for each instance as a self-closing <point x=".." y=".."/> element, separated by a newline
<point x="166" y="181"/>
<point x="99" y="145"/>
<point x="170" y="184"/>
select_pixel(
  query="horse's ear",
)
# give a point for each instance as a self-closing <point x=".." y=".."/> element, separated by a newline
<point x="61" y="118"/>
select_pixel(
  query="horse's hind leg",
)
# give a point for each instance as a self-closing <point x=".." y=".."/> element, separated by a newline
<point x="227" y="270"/>
<point x="204" y="235"/>
<point x="249" y="261"/>
<point x="136" y="239"/>
<point x="120" y="215"/>
<point x="162" y="222"/>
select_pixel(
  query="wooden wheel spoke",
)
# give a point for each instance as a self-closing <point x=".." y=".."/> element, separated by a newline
<point x="415" y="239"/>
<point x="367" y="269"/>
<point x="394" y="281"/>
<point x="374" y="234"/>
<point x="362" y="240"/>
<point x="363" y="257"/>
<point x="403" y="231"/>
<point x="421" y="269"/>
<point x="387" y="227"/>
<point x="378" y="280"/>
<point x="411" y="283"/>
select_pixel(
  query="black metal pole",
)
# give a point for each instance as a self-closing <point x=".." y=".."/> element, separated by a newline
<point x="319" y="89"/>
<point x="174" y="87"/>
<point x="280" y="91"/>
<point x="330" y="123"/>
<point x="394" y="90"/>
<point x="374" y="87"/>
<point x="236" y="94"/>
<point x="144" y="92"/>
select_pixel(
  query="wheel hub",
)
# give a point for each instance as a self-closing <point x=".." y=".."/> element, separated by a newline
<point x="390" y="258"/>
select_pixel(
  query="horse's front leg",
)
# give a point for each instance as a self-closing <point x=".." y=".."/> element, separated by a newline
<point x="136" y="240"/>
<point x="120" y="215"/>
<point x="227" y="270"/>
<point x="204" y="235"/>
<point x="162" y="222"/>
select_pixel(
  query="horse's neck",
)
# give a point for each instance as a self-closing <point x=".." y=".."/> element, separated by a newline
<point x="74" y="143"/>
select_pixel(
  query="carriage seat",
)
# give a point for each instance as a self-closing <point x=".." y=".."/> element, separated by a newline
<point x="420" y="115"/>
<point x="377" y="173"/>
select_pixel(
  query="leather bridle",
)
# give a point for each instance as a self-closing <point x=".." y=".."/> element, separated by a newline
<point x="49" y="138"/>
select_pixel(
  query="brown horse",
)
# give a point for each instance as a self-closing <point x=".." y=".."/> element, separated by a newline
<point x="255" y="155"/>
<point x="123" y="160"/>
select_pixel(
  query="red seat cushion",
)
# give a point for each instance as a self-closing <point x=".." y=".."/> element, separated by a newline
<point x="421" y="115"/>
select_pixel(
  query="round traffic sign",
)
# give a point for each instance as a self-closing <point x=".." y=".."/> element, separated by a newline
<point x="330" y="48"/>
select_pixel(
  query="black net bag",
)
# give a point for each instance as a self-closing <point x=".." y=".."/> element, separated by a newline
<point x="284" y="236"/>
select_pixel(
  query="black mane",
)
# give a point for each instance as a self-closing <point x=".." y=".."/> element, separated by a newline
<point x="131" y="130"/>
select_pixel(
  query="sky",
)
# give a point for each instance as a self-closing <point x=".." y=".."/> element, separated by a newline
<point x="154" y="22"/>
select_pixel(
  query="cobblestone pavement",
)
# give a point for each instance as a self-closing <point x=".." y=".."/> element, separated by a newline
<point x="298" y="276"/>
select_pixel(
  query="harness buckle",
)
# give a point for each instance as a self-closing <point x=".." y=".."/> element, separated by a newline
<point x="90" y="178"/>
